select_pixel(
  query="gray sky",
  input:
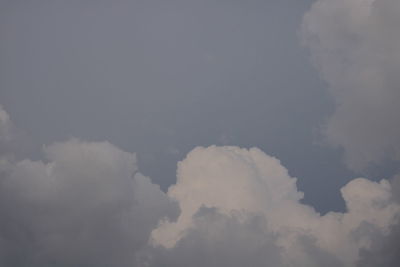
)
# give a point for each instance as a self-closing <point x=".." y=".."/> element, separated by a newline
<point x="161" y="77"/>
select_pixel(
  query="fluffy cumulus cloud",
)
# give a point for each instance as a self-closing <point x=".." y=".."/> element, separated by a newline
<point x="219" y="239"/>
<point x="355" y="45"/>
<point x="86" y="204"/>
<point x="224" y="192"/>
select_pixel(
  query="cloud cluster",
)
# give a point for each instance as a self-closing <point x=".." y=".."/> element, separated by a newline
<point x="356" y="47"/>
<point x="224" y="192"/>
<point x="86" y="204"/>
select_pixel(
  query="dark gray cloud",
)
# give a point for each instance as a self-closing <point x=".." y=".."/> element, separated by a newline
<point x="384" y="251"/>
<point x="222" y="240"/>
<point x="385" y="248"/>
<point x="396" y="187"/>
<point x="238" y="239"/>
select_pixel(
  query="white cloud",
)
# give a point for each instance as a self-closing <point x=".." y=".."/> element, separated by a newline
<point x="356" y="47"/>
<point x="228" y="178"/>
<point x="239" y="181"/>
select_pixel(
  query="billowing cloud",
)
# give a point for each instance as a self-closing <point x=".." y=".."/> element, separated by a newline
<point x="85" y="205"/>
<point x="243" y="185"/>
<point x="219" y="239"/>
<point x="356" y="47"/>
<point x="384" y="249"/>
<point x="227" y="178"/>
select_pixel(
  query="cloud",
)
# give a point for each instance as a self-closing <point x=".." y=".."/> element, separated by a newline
<point x="4" y="125"/>
<point x="355" y="46"/>
<point x="228" y="178"/>
<point x="85" y="205"/>
<point x="384" y="250"/>
<point x="218" y="239"/>
<point x="7" y="134"/>
<point x="242" y="185"/>
<point x="238" y="239"/>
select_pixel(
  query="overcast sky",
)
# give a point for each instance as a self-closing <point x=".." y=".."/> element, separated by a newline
<point x="246" y="95"/>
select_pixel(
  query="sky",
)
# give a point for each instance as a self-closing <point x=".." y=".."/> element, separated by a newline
<point x="199" y="133"/>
